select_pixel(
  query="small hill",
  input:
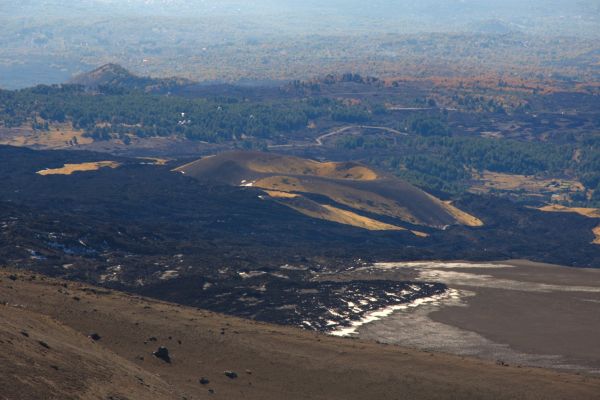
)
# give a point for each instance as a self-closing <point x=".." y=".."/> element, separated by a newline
<point x="108" y="74"/>
<point x="116" y="76"/>
<point x="47" y="352"/>
<point x="357" y="190"/>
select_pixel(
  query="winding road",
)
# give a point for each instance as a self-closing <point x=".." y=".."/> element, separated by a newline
<point x="337" y="131"/>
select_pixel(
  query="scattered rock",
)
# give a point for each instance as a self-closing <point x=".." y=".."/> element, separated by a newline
<point x="211" y="391"/>
<point x="76" y="298"/>
<point x="12" y="277"/>
<point x="204" y="381"/>
<point x="24" y="333"/>
<point x="152" y="339"/>
<point x="43" y="344"/>
<point x="163" y="354"/>
<point x="249" y="372"/>
<point x="94" y="336"/>
<point x="231" y="374"/>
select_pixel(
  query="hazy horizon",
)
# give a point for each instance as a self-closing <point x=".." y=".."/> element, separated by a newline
<point x="48" y="41"/>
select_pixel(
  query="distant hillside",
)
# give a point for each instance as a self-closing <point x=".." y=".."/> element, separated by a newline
<point x="348" y="192"/>
<point x="116" y="76"/>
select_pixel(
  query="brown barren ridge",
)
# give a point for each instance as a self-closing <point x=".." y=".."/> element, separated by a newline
<point x="46" y="354"/>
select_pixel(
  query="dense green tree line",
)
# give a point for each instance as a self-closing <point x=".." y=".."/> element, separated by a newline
<point x="444" y="163"/>
<point x="107" y="113"/>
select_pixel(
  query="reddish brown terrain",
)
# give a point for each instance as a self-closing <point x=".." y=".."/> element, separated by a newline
<point x="46" y="353"/>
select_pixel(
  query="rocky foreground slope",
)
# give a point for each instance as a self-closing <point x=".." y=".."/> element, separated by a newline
<point x="64" y="340"/>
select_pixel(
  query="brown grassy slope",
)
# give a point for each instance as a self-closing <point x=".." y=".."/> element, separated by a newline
<point x="272" y="362"/>
<point x="59" y="136"/>
<point x="350" y="184"/>
<point x="330" y="213"/>
<point x="274" y="164"/>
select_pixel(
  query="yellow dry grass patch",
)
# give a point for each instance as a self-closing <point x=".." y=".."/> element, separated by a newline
<point x="354" y="198"/>
<point x="155" y="161"/>
<point x="597" y="233"/>
<point x="68" y="169"/>
<point x="419" y="234"/>
<point x="350" y="218"/>
<point x="461" y="216"/>
<point x="59" y="136"/>
<point x="498" y="181"/>
<point x="586" y="212"/>
<point x="281" y="195"/>
<point x="334" y="214"/>
<point x="299" y="166"/>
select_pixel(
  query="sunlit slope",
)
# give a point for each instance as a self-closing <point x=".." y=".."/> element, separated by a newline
<point x="69" y="169"/>
<point x="347" y="192"/>
<point x="330" y="213"/>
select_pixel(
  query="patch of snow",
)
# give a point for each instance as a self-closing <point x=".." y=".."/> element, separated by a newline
<point x="170" y="274"/>
<point x="387" y="311"/>
<point x="251" y="274"/>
